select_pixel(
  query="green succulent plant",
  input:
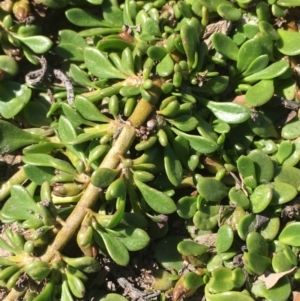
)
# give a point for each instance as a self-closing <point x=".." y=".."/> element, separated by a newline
<point x="187" y="109"/>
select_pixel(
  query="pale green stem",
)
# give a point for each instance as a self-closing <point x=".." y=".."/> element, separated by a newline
<point x="14" y="294"/>
<point x="90" y="195"/>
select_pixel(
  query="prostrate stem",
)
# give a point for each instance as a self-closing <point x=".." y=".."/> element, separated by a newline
<point x="90" y="195"/>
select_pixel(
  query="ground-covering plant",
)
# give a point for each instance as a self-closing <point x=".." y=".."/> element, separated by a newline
<point x="131" y="115"/>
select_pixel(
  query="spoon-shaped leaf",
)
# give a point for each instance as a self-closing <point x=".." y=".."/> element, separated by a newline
<point x="263" y="126"/>
<point x="256" y="243"/>
<point x="288" y="43"/>
<point x="229" y="12"/>
<point x="9" y="66"/>
<point x="260" y="93"/>
<point x="248" y="52"/>
<point x="134" y="239"/>
<point x="71" y="45"/>
<point x="264" y="167"/>
<point x="274" y="70"/>
<point x="39" y="174"/>
<point x="283" y="193"/>
<point x="288" y="174"/>
<point x="291" y="130"/>
<point x="116" y="250"/>
<point x="215" y="85"/>
<point x="99" y="65"/>
<point x="102" y="177"/>
<point x="83" y="18"/>
<point x="211" y="189"/>
<point x="167" y="254"/>
<point x="88" y="110"/>
<point x="13" y="98"/>
<point x="12" y="138"/>
<point x="20" y="206"/>
<point x="157" y="200"/>
<point x="38" y="44"/>
<point x="225" y="45"/>
<point x="184" y="123"/>
<point x="165" y="66"/>
<point x="79" y="76"/>
<point x="198" y="143"/>
<point x="257" y="65"/>
<point x="261" y="198"/>
<point x="229" y="112"/>
<point x="225" y="238"/>
<point x="47" y="160"/>
<point x="290" y="234"/>
<point x="173" y="166"/>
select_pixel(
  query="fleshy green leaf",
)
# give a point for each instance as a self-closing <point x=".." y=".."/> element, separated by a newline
<point x="282" y="193"/>
<point x="215" y="85"/>
<point x="8" y="66"/>
<point x="263" y="126"/>
<point x="47" y="160"/>
<point x="157" y="200"/>
<point x="225" y="45"/>
<point x="99" y="65"/>
<point x="211" y="189"/>
<point x="167" y="254"/>
<point x="35" y="113"/>
<point x="288" y="43"/>
<point x="225" y="238"/>
<point x="291" y="130"/>
<point x="198" y="143"/>
<point x="229" y="112"/>
<point x="39" y="174"/>
<point x="71" y="45"/>
<point x="264" y="167"/>
<point x="134" y="239"/>
<point x="165" y="66"/>
<point x="290" y="234"/>
<point x="257" y="65"/>
<point x="12" y="137"/>
<point x="116" y="250"/>
<point x="84" y="18"/>
<point x="79" y="76"/>
<point x="102" y="177"/>
<point x="88" y="110"/>
<point x="173" y="166"/>
<point x="20" y="206"/>
<point x="184" y="123"/>
<point x="272" y="71"/>
<point x="229" y="12"/>
<point x="13" y="98"/>
<point x="288" y="174"/>
<point x="261" y="198"/>
<point x="206" y="218"/>
<point x="248" y="52"/>
<point x="186" y="207"/>
<point x="38" y="44"/>
<point x="260" y="93"/>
